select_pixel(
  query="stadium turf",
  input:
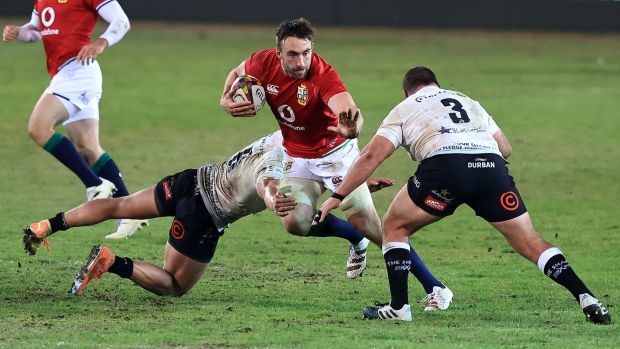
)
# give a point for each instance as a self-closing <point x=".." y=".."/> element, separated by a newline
<point x="554" y="95"/>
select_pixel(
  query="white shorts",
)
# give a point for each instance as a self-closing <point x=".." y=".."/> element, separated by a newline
<point x="329" y="170"/>
<point x="79" y="88"/>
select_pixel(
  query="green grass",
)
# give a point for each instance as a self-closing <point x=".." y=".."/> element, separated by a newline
<point x="266" y="289"/>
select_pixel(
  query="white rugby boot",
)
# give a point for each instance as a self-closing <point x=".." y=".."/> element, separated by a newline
<point x="386" y="312"/>
<point x="127" y="227"/>
<point x="439" y="299"/>
<point x="593" y="309"/>
<point x="356" y="263"/>
<point x="105" y="190"/>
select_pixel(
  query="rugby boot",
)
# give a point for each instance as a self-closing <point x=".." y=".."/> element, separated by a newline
<point x="386" y="312"/>
<point x="356" y="263"/>
<point x="35" y="234"/>
<point x="98" y="262"/>
<point x="439" y="299"/>
<point x="105" y="190"/>
<point x="127" y="227"/>
<point x="593" y="309"/>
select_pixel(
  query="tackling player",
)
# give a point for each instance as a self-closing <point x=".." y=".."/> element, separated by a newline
<point x="203" y="203"/>
<point x="307" y="96"/>
<point x="72" y="97"/>
<point x="461" y="152"/>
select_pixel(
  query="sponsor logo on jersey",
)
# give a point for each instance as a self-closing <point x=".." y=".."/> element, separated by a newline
<point x="302" y="94"/>
<point x="46" y="32"/>
<point x="435" y="204"/>
<point x="292" y="127"/>
<point x="273" y="89"/>
<point x="509" y="201"/>
<point x="177" y="230"/>
<point x="48" y="16"/>
<point x="443" y="194"/>
<point x="440" y="93"/>
<point x="337" y="180"/>
<point x="444" y="130"/>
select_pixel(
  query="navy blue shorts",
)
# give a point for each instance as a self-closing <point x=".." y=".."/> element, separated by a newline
<point x="193" y="232"/>
<point x="444" y="182"/>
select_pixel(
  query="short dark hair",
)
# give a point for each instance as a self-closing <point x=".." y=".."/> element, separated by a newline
<point x="299" y="28"/>
<point x="418" y="76"/>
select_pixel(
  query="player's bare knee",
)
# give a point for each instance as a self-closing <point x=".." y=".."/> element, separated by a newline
<point x="297" y="227"/>
<point x="39" y="134"/>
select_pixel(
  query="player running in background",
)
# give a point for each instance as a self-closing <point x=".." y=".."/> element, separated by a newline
<point x="72" y="97"/>
<point x="203" y="203"/>
<point x="306" y="95"/>
<point x="461" y="152"/>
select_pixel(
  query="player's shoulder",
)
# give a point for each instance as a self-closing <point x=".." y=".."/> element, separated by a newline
<point x="458" y="94"/>
<point x="264" y="55"/>
<point x="261" y="61"/>
<point x="321" y="62"/>
<point x="320" y="65"/>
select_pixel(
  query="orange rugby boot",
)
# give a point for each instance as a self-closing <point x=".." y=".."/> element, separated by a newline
<point x="98" y="262"/>
<point x="35" y="234"/>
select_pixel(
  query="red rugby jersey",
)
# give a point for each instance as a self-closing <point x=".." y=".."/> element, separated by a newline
<point x="66" y="26"/>
<point x="300" y="105"/>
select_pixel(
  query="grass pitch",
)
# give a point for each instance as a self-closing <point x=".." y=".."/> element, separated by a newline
<point x="554" y="95"/>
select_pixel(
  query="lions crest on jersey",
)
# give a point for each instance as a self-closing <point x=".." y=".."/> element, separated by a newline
<point x="302" y="94"/>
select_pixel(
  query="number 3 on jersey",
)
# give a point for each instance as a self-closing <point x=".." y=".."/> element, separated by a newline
<point x="458" y="107"/>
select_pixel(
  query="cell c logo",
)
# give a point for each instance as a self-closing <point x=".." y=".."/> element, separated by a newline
<point x="289" y="111"/>
<point x="177" y="230"/>
<point x="509" y="201"/>
<point x="48" y="16"/>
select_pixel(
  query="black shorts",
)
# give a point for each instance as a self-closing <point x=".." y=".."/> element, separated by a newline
<point x="193" y="232"/>
<point x="444" y="182"/>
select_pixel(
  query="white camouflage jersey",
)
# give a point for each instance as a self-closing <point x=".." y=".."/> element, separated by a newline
<point x="228" y="189"/>
<point x="435" y="121"/>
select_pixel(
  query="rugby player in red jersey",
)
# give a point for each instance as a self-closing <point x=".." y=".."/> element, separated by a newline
<point x="72" y="97"/>
<point x="306" y="96"/>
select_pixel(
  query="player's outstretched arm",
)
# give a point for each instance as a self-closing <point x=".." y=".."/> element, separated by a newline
<point x="350" y="118"/>
<point x="236" y="109"/>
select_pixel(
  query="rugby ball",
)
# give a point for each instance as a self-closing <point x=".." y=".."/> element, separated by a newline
<point x="248" y="88"/>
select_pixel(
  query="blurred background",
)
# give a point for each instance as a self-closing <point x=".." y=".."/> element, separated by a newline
<point x="573" y="15"/>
